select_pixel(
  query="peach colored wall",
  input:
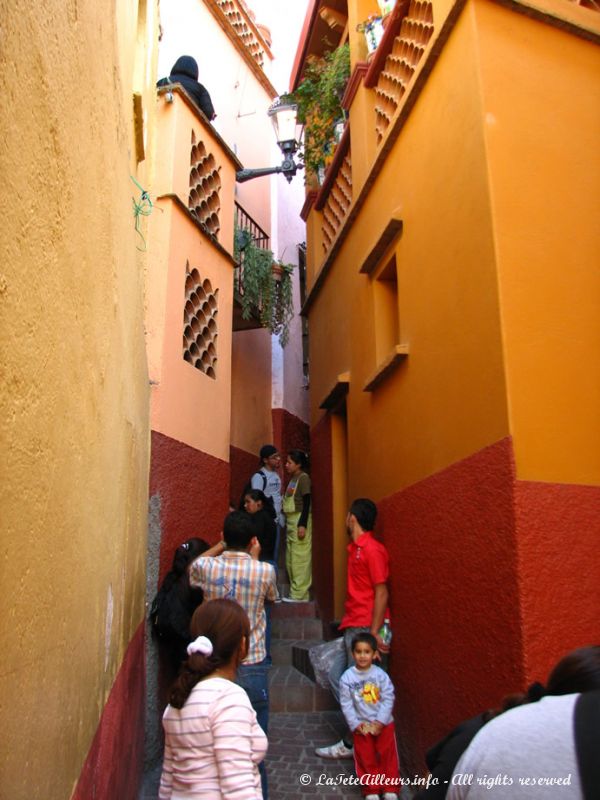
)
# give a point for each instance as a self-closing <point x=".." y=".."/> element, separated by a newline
<point x="542" y="128"/>
<point x="75" y="400"/>
<point x="184" y="399"/>
<point x="240" y="101"/>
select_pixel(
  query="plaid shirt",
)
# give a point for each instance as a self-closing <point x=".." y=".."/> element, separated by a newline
<point x="237" y="576"/>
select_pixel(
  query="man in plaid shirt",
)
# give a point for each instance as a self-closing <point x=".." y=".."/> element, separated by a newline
<point x="238" y="575"/>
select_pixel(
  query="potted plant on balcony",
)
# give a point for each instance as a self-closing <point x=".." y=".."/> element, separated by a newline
<point x="265" y="285"/>
<point x="319" y="97"/>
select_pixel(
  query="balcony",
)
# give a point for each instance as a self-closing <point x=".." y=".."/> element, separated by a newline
<point x="244" y="222"/>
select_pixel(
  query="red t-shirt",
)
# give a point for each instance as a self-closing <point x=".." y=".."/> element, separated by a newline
<point x="367" y="566"/>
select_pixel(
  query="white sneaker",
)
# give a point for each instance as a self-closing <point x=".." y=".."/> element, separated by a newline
<point x="390" y="796"/>
<point x="337" y="750"/>
<point x="371" y="797"/>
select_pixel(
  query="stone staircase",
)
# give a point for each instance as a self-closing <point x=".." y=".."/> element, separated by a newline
<point x="292" y="688"/>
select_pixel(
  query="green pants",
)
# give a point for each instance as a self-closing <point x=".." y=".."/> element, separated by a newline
<point x="298" y="557"/>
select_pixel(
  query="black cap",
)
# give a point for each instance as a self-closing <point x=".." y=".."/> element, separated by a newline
<point x="267" y="450"/>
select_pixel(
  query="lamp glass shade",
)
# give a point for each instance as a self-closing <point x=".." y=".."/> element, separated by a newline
<point x="283" y="116"/>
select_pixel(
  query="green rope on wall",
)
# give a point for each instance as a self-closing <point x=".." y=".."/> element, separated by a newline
<point x="141" y="208"/>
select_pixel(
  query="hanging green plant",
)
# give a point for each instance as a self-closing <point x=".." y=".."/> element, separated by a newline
<point x="266" y="285"/>
<point x="319" y="99"/>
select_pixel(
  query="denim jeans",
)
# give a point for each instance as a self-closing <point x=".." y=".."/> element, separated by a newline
<point x="254" y="679"/>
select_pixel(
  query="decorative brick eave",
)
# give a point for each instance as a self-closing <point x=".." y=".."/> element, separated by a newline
<point x="392" y="135"/>
<point x="176" y="200"/>
<point x="257" y="70"/>
<point x="338" y="158"/>
<point x="358" y="74"/>
<point x="311" y="196"/>
<point x="177" y="88"/>
<point x="387" y="42"/>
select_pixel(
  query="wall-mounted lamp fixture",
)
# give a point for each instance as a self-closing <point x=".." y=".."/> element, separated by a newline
<point x="288" y="133"/>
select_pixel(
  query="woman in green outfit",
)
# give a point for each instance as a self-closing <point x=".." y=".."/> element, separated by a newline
<point x="298" y="519"/>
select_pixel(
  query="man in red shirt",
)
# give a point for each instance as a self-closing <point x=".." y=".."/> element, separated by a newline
<point x="366" y="603"/>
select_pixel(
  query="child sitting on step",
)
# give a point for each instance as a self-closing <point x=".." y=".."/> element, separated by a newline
<point x="367" y="700"/>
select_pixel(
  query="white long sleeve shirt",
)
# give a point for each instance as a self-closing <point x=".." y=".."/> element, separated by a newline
<point x="213" y="745"/>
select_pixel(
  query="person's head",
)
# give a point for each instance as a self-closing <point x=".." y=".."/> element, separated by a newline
<point x="185" y="65"/>
<point x="297" y="461"/>
<point x="187" y="552"/>
<point x="238" y="530"/>
<point x="254" y="500"/>
<point x="578" y="671"/>
<point x="362" y="512"/>
<point x="364" y="647"/>
<point x="220" y="631"/>
<point x="269" y="457"/>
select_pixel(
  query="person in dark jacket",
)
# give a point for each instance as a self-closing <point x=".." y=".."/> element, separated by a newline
<point x="185" y="72"/>
<point x="262" y="513"/>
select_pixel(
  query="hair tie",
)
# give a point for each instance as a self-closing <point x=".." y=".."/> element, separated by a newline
<point x="535" y="692"/>
<point x="200" y="645"/>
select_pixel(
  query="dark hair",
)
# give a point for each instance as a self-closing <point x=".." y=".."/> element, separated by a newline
<point x="365" y="638"/>
<point x="267" y="502"/>
<point x="299" y="457"/>
<point x="365" y="512"/>
<point x="225" y="623"/>
<point x="238" y="530"/>
<point x="578" y="671"/>
<point x="184" y="555"/>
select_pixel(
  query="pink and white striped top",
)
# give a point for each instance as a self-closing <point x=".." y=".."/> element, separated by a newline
<point x="213" y="745"/>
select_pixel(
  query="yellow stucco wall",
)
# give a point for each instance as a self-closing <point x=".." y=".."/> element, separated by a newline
<point x="436" y="178"/>
<point x="74" y="406"/>
<point x="542" y="128"/>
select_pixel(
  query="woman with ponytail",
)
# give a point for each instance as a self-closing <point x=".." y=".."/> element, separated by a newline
<point x="213" y="744"/>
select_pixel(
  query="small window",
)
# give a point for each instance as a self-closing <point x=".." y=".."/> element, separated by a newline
<point x="387" y="320"/>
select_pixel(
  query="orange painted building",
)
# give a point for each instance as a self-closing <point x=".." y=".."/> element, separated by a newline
<point x="454" y="317"/>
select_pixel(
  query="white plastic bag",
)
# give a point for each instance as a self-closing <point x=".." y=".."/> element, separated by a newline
<point x="322" y="657"/>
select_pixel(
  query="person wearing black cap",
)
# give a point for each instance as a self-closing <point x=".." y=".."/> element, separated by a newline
<point x="185" y="72"/>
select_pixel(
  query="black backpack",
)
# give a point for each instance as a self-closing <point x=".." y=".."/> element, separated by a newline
<point x="170" y="613"/>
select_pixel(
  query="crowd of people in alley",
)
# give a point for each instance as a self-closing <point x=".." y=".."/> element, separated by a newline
<point x="213" y="616"/>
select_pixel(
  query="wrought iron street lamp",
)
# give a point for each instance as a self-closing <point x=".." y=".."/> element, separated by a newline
<point x="288" y="133"/>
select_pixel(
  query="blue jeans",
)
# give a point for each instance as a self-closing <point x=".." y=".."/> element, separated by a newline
<point x="254" y="679"/>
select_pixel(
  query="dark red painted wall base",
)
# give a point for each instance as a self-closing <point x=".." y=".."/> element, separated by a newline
<point x="289" y="431"/>
<point x="454" y="596"/>
<point x="113" y="767"/>
<point x="194" y="494"/>
<point x="559" y="536"/>
<point x="243" y="466"/>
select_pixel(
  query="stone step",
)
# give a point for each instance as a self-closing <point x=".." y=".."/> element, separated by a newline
<point x="292" y="692"/>
<point x="296" y="627"/>
<point x="294" y="652"/>
<point x="300" y="656"/>
<point x="286" y="610"/>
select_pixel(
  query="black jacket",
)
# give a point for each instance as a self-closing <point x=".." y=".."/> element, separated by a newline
<point x="185" y="72"/>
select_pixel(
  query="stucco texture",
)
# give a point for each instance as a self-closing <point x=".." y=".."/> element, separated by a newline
<point x="74" y="408"/>
<point x="192" y="489"/>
